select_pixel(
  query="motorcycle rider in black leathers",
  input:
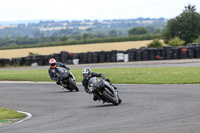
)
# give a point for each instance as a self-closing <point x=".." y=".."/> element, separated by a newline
<point x="87" y="74"/>
<point x="53" y="70"/>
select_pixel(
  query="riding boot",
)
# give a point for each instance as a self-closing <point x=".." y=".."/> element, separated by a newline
<point x="95" y="98"/>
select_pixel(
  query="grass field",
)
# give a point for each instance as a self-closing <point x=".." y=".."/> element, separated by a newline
<point x="13" y="53"/>
<point x="163" y="75"/>
<point x="9" y="116"/>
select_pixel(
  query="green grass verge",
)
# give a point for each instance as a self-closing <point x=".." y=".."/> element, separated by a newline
<point x="162" y="75"/>
<point x="9" y="116"/>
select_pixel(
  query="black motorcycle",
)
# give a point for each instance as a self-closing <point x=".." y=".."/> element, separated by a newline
<point x="66" y="79"/>
<point x="103" y="90"/>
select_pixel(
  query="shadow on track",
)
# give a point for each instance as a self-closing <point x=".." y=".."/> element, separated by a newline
<point x="64" y="92"/>
<point x="100" y="106"/>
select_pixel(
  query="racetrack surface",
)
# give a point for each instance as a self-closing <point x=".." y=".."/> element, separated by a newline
<point x="145" y="109"/>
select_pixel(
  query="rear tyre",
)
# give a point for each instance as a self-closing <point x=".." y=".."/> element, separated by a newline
<point x="110" y="98"/>
<point x="73" y="85"/>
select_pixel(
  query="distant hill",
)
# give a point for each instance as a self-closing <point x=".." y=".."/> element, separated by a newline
<point x="32" y="28"/>
<point x="46" y="31"/>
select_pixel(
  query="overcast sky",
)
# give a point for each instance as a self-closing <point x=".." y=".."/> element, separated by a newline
<point x="13" y="10"/>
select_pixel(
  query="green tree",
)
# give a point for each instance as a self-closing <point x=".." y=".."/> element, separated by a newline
<point x="175" y="42"/>
<point x="155" y="44"/>
<point x="63" y="38"/>
<point x="197" y="40"/>
<point x="113" y="33"/>
<point x="85" y="36"/>
<point x="138" y="31"/>
<point x="186" y="26"/>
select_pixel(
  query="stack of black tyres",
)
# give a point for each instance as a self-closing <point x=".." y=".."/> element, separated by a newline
<point x="28" y="61"/>
<point x="95" y="57"/>
<point x="90" y="57"/>
<point x="131" y="54"/>
<point x="152" y="54"/>
<point x="70" y="58"/>
<point x="22" y="61"/>
<point x="46" y="59"/>
<point x="191" y="52"/>
<point x="75" y="56"/>
<point x="33" y="59"/>
<point x="40" y="60"/>
<point x="4" y="62"/>
<point x="15" y="61"/>
<point x="138" y="55"/>
<point x="145" y="54"/>
<point x="85" y="58"/>
<point x="57" y="57"/>
<point x="80" y="57"/>
<point x="64" y="56"/>
<point x="168" y="52"/>
<point x="158" y="54"/>
<point x="102" y="56"/>
<point x="183" y="53"/>
<point x="108" y="56"/>
<point x="113" y="56"/>
<point x="197" y="51"/>
<point x="175" y="53"/>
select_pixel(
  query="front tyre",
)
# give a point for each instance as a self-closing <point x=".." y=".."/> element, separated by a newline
<point x="73" y="85"/>
<point x="119" y="99"/>
<point x="110" y="98"/>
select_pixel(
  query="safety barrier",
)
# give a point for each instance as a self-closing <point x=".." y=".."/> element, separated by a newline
<point x="141" y="54"/>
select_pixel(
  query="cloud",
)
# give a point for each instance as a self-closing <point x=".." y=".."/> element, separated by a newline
<point x="90" y="9"/>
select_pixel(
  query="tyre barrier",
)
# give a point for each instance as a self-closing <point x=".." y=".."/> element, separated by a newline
<point x="64" y="56"/>
<point x="4" y="62"/>
<point x="141" y="54"/>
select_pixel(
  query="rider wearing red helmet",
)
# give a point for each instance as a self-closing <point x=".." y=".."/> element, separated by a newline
<point x="53" y="70"/>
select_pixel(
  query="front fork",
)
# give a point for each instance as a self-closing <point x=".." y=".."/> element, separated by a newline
<point x="111" y="89"/>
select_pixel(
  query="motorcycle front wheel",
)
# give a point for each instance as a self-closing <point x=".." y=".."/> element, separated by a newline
<point x="73" y="85"/>
<point x="110" y="98"/>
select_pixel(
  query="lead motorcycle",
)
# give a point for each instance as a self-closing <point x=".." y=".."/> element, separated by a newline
<point x="65" y="78"/>
<point x="103" y="90"/>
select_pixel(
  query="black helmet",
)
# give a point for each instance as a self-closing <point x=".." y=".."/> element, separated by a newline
<point x="86" y="72"/>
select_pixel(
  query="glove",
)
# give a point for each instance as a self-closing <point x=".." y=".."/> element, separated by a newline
<point x="107" y="80"/>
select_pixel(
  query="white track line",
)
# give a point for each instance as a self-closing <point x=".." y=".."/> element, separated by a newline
<point x="26" y="118"/>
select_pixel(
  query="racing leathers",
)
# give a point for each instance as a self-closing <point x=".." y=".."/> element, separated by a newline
<point x="54" y="71"/>
<point x="93" y="74"/>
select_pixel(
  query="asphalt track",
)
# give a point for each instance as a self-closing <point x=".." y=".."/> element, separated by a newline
<point x="145" y="109"/>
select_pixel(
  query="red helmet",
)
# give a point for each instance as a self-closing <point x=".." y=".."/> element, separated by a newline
<point x="52" y="63"/>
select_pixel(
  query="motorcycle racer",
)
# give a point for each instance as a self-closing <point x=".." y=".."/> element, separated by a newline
<point x="87" y="74"/>
<point x="53" y="71"/>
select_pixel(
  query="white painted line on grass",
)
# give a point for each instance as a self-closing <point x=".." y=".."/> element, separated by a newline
<point x="26" y="118"/>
